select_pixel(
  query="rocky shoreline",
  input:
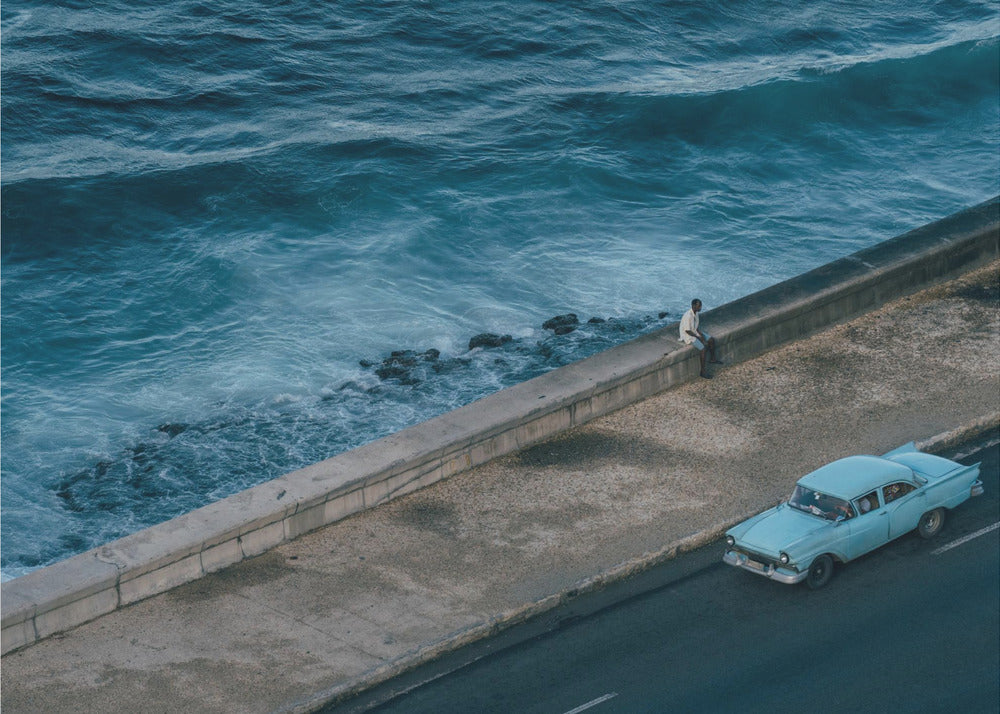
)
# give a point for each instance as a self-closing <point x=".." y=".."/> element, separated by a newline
<point x="410" y="367"/>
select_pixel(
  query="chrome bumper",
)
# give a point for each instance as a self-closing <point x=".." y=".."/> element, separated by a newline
<point x="977" y="488"/>
<point x="782" y="575"/>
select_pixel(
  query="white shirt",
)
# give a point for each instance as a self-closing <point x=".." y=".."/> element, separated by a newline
<point x="689" y="322"/>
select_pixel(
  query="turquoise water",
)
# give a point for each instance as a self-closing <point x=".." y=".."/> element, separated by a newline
<point x="220" y="220"/>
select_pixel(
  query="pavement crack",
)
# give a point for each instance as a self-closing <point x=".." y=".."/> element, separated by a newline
<point x="287" y="615"/>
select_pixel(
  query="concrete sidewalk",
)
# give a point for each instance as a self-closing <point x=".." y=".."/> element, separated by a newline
<point x="357" y="601"/>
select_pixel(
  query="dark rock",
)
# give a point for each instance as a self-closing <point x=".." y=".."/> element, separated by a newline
<point x="562" y="324"/>
<point x="400" y="364"/>
<point x="561" y="321"/>
<point x="139" y="454"/>
<point x="172" y="430"/>
<point x="392" y="371"/>
<point x="488" y="339"/>
<point x="664" y="314"/>
<point x="406" y="358"/>
<point x="596" y="320"/>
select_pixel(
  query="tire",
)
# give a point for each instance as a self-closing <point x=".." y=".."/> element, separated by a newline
<point x="820" y="572"/>
<point x="931" y="523"/>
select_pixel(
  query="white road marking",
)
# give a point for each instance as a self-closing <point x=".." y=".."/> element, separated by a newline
<point x="588" y="705"/>
<point x="966" y="539"/>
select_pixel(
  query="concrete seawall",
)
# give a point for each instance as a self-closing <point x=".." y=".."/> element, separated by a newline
<point x="130" y="569"/>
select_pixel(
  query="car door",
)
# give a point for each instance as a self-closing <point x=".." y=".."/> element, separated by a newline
<point x="870" y="528"/>
<point x="905" y="504"/>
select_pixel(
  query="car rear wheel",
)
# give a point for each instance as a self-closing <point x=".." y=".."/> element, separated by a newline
<point x="820" y="572"/>
<point x="931" y="523"/>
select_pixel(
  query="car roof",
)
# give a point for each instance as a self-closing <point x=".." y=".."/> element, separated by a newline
<point x="854" y="476"/>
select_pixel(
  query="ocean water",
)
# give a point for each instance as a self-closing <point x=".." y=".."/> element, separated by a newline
<point x="221" y="220"/>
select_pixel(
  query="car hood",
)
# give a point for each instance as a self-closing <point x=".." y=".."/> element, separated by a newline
<point x="780" y="529"/>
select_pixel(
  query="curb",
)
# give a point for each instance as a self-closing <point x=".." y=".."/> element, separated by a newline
<point x="973" y="430"/>
<point x="505" y="620"/>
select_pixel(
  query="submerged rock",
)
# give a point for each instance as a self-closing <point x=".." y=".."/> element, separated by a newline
<point x="392" y="371"/>
<point x="488" y="339"/>
<point x="172" y="430"/>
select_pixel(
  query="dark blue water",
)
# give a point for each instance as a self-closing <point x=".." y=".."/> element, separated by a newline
<point x="220" y="220"/>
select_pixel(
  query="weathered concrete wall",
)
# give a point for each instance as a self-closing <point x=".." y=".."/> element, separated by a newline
<point x="97" y="582"/>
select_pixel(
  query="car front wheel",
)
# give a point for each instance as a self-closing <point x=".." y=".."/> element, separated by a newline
<point x="931" y="523"/>
<point x="820" y="572"/>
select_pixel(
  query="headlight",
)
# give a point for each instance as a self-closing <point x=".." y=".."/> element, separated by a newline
<point x="730" y="541"/>
<point x="784" y="558"/>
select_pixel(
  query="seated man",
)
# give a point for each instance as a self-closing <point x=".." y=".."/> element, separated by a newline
<point x="690" y="334"/>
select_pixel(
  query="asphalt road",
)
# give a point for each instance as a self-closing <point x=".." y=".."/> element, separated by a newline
<point x="912" y="627"/>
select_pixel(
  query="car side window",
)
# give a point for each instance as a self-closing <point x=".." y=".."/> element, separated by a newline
<point x="896" y="490"/>
<point x="868" y="502"/>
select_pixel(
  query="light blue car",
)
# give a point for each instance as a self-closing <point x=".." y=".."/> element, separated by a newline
<point x="848" y="508"/>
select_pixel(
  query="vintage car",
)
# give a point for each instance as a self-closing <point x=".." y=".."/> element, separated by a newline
<point x="848" y="508"/>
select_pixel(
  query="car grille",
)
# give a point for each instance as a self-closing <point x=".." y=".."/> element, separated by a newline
<point x="756" y="559"/>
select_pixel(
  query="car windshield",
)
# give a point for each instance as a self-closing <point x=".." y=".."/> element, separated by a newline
<point x="820" y="504"/>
